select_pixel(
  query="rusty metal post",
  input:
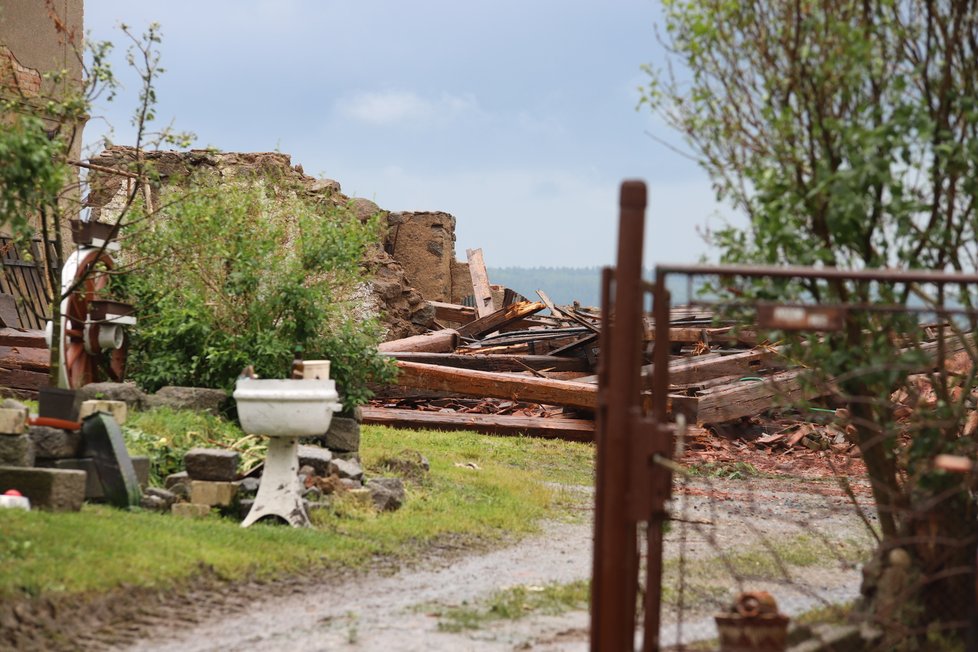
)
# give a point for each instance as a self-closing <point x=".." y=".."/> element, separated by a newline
<point x="615" y="570"/>
<point x="659" y="478"/>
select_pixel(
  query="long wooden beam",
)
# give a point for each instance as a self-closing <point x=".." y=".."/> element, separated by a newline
<point x="468" y="382"/>
<point x="500" y="362"/>
<point x="453" y="312"/>
<point x="442" y="341"/>
<point x="495" y="424"/>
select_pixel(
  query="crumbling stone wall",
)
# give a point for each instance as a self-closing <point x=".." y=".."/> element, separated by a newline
<point x="424" y="243"/>
<point x="387" y="293"/>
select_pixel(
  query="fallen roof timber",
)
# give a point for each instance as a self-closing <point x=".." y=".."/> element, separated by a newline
<point x="495" y="424"/>
<point x="498" y="362"/>
<point x="469" y="382"/>
<point x="749" y="398"/>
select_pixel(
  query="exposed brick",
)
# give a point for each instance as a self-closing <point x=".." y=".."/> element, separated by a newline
<point x="215" y="464"/>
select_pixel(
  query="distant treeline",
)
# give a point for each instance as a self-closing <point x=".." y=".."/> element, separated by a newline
<point x="565" y="285"/>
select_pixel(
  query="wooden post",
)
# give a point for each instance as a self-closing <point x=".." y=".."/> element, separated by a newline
<point x="480" y="283"/>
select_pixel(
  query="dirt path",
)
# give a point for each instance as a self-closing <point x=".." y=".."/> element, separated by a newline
<point x="746" y="522"/>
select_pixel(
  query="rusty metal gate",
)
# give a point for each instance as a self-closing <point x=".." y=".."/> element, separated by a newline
<point x="637" y="432"/>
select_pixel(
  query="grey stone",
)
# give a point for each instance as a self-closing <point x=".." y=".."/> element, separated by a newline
<point x="349" y="484"/>
<point x="104" y="444"/>
<point x="153" y="503"/>
<point x="141" y="465"/>
<point x="350" y="469"/>
<point x="128" y="392"/>
<point x="387" y="493"/>
<point x="168" y="497"/>
<point x="354" y="457"/>
<point x="249" y="486"/>
<point x="55" y="443"/>
<point x="198" y="399"/>
<point x="317" y="458"/>
<point x="16" y="450"/>
<point x="93" y="486"/>
<point x="343" y="435"/>
<point x="214" y="464"/>
<point x="181" y="477"/>
<point x="58" y="490"/>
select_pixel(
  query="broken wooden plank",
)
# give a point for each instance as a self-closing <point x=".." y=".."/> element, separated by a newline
<point x="495" y="320"/>
<point x="469" y="382"/>
<point x="443" y="341"/>
<point x="690" y="371"/>
<point x="17" y="337"/>
<point x="495" y="424"/>
<point x="480" y="283"/>
<point x="453" y="312"/>
<point x="484" y="362"/>
<point x="749" y="398"/>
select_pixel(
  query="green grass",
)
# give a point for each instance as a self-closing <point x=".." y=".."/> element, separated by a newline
<point x="101" y="548"/>
<point x="709" y="580"/>
<point x="514" y="603"/>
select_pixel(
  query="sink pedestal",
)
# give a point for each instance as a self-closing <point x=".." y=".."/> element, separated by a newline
<point x="279" y="493"/>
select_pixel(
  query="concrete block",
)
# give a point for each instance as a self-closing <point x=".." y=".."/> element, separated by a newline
<point x="17" y="450"/>
<point x="190" y="510"/>
<point x="58" y="490"/>
<point x="93" y="485"/>
<point x="118" y="409"/>
<point x="213" y="494"/>
<point x="12" y="421"/>
<point x="215" y="464"/>
<point x="55" y="443"/>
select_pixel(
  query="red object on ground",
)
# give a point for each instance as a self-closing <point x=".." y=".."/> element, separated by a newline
<point x="12" y="492"/>
<point x="54" y="423"/>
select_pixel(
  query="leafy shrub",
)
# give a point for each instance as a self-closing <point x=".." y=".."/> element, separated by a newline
<point x="248" y="274"/>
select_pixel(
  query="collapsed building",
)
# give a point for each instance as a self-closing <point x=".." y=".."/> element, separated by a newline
<point x="413" y="264"/>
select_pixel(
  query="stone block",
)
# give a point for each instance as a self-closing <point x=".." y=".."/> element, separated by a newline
<point x="343" y="435"/>
<point x="176" y="478"/>
<point x="129" y="393"/>
<point x="198" y="399"/>
<point x="118" y="409"/>
<point x="55" y="443"/>
<point x="317" y="458"/>
<point x="214" y="464"/>
<point x="57" y="490"/>
<point x="387" y="493"/>
<point x="17" y="450"/>
<point x="214" y="494"/>
<point x="12" y="421"/>
<point x="190" y="510"/>
<point x="93" y="485"/>
<point x="350" y="469"/>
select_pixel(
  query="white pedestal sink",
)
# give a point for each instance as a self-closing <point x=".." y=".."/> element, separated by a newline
<point x="283" y="410"/>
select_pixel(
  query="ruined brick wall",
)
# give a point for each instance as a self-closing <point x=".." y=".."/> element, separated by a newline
<point x="387" y="292"/>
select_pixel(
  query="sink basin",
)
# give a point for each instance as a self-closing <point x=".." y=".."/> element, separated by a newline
<point x="286" y="407"/>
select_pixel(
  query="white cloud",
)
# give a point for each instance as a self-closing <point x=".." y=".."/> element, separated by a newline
<point x="391" y="107"/>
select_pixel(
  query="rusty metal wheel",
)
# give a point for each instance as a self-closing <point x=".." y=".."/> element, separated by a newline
<point x="86" y="359"/>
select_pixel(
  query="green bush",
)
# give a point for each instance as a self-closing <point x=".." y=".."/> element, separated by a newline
<point x="242" y="275"/>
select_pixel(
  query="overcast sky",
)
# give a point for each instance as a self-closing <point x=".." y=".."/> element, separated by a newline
<point x="516" y="116"/>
